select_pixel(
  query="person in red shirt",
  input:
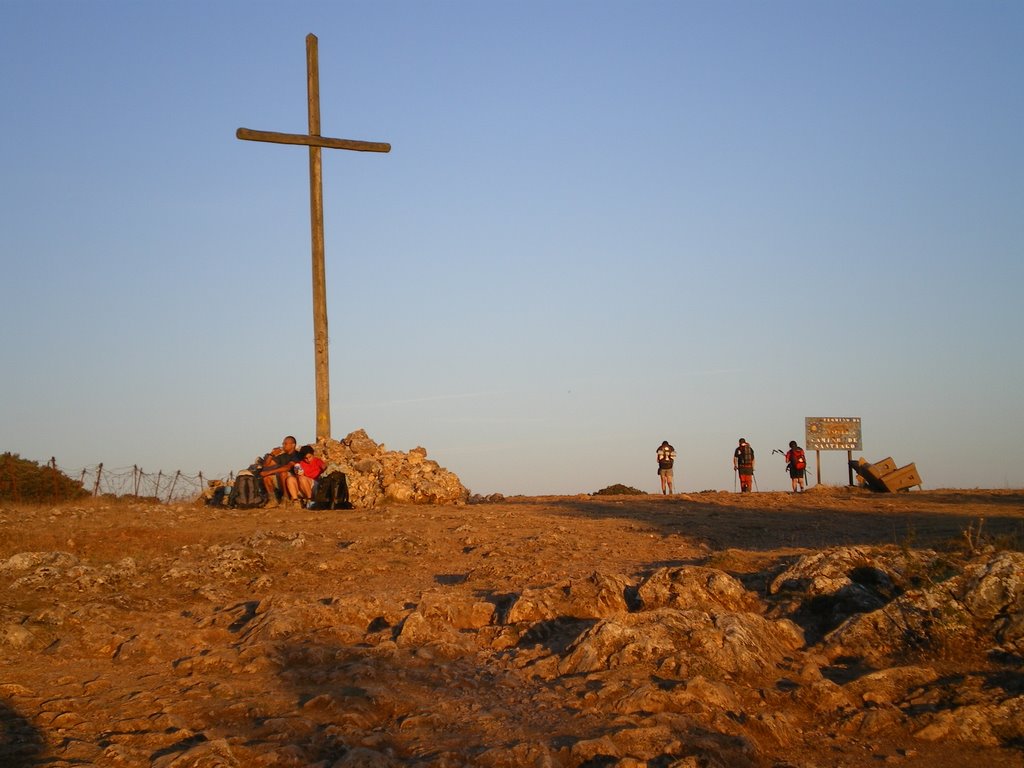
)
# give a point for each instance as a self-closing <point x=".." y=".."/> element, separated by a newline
<point x="796" y="463"/>
<point x="306" y="471"/>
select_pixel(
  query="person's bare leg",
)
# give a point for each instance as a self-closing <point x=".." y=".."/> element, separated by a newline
<point x="270" y="486"/>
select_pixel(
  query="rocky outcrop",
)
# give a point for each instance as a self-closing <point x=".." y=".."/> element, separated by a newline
<point x="341" y="641"/>
<point x="679" y="643"/>
<point x="824" y="589"/>
<point x="992" y="592"/>
<point x="982" y="604"/>
<point x="695" y="587"/>
<point x="594" y="597"/>
<point x="378" y="476"/>
<point x="62" y="571"/>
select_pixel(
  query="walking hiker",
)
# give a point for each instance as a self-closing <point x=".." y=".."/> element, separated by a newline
<point x="666" y="458"/>
<point x="796" y="463"/>
<point x="743" y="464"/>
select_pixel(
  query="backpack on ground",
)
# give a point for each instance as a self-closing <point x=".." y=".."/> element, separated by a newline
<point x="331" y="492"/>
<point x="798" y="460"/>
<point x="247" y="492"/>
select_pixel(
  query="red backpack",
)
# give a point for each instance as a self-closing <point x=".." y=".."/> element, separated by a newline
<point x="798" y="460"/>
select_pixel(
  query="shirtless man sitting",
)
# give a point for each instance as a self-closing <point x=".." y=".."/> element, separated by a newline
<point x="277" y="467"/>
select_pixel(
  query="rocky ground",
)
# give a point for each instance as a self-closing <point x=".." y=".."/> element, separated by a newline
<point x="834" y="628"/>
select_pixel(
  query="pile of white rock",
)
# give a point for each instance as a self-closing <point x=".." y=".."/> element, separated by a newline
<point x="378" y="476"/>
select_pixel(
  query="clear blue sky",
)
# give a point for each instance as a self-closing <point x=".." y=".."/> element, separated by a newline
<point x="601" y="225"/>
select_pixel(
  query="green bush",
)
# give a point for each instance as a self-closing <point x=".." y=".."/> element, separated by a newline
<point x="22" y="480"/>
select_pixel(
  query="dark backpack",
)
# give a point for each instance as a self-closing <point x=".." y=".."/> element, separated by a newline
<point x="247" y="493"/>
<point x="331" y="492"/>
<point x="745" y="456"/>
<point x="798" y="460"/>
<point x="665" y="460"/>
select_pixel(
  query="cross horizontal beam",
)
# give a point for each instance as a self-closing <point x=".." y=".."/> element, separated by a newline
<point x="312" y="141"/>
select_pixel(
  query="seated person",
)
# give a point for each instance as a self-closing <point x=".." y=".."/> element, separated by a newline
<point x="215" y="493"/>
<point x="276" y="469"/>
<point x="309" y="468"/>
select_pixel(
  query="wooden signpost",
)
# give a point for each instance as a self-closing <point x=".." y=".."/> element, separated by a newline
<point x="833" y="433"/>
<point x="316" y="212"/>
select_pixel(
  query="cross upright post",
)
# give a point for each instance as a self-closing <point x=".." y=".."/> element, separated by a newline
<point x="316" y="216"/>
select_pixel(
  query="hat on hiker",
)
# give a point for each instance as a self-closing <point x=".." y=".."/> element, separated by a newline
<point x="742" y="440"/>
<point x="792" y="443"/>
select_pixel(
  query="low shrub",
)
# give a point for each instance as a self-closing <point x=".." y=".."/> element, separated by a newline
<point x="619" y="490"/>
<point x="25" y="481"/>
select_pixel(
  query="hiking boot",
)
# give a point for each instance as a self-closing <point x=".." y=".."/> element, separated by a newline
<point x="272" y="502"/>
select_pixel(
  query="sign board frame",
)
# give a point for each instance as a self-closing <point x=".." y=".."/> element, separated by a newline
<point x="833" y="433"/>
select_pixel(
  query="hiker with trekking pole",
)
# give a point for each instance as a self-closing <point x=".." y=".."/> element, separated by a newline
<point x="796" y="464"/>
<point x="743" y="465"/>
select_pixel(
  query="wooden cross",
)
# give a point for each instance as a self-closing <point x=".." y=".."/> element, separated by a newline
<point x="316" y="213"/>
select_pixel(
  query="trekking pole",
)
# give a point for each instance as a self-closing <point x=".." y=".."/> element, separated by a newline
<point x="734" y="473"/>
<point x="754" y="478"/>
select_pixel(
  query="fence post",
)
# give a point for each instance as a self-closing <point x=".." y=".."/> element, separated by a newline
<point x="156" y="488"/>
<point x="136" y="475"/>
<point x="96" y="486"/>
<point x="174" y="482"/>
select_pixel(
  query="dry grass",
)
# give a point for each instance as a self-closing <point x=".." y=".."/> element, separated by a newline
<point x="89" y="530"/>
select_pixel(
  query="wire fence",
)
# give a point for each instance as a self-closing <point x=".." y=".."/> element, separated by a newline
<point x="133" y="481"/>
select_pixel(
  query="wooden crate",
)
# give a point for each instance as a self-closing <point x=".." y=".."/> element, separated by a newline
<point x="872" y="474"/>
<point x="901" y="479"/>
<point x="884" y="467"/>
<point x="884" y="476"/>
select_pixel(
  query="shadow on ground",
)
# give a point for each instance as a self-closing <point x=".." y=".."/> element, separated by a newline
<point x="771" y="521"/>
<point x="21" y="744"/>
